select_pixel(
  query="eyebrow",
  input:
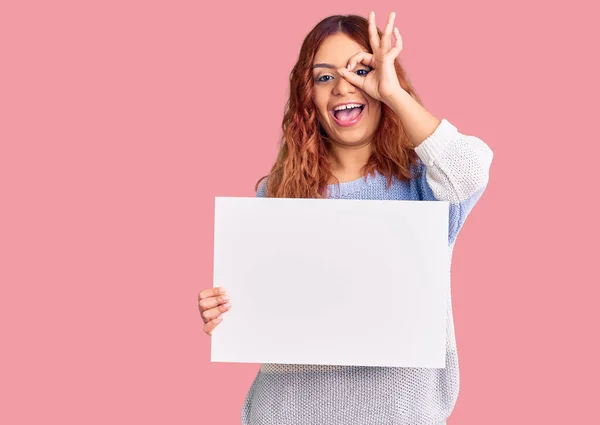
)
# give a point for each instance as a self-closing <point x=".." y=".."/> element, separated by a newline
<point x="323" y="65"/>
<point x="328" y="65"/>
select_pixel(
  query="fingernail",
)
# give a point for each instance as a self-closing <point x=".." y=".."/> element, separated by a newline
<point x="226" y="305"/>
<point x="218" y="319"/>
<point x="224" y="298"/>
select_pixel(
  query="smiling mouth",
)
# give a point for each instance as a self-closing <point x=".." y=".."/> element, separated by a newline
<point x="347" y="117"/>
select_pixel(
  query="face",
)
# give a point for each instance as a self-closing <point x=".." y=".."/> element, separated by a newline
<point x="353" y="126"/>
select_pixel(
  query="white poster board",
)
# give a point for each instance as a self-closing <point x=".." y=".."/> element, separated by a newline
<point x="332" y="281"/>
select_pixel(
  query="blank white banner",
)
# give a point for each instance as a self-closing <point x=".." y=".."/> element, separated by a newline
<point x="332" y="281"/>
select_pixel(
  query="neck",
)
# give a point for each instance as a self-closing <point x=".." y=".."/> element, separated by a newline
<point x="348" y="162"/>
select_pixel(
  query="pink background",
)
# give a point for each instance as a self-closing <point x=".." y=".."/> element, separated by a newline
<point x="120" y="121"/>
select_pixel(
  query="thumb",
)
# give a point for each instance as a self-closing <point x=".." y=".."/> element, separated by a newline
<point x="351" y="77"/>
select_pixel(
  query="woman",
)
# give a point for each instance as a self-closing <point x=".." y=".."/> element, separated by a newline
<point x="354" y="128"/>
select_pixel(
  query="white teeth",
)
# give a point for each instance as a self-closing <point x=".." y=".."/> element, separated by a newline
<point x="348" y="106"/>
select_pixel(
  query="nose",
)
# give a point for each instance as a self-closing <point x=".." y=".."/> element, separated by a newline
<point x="342" y="86"/>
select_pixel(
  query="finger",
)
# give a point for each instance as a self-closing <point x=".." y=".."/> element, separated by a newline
<point x="212" y="302"/>
<point x="386" y="38"/>
<point x="212" y="313"/>
<point x="352" y="78"/>
<point x="211" y="292"/>
<point x="395" y="51"/>
<point x="210" y="326"/>
<point x="373" y="36"/>
<point x="365" y="58"/>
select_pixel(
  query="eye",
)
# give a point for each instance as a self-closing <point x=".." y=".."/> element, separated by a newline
<point x="321" y="80"/>
<point x="366" y="71"/>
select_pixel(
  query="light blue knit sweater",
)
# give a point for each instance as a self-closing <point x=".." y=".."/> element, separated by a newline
<point x="455" y="168"/>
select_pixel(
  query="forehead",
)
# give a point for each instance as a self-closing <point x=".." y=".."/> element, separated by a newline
<point x="337" y="49"/>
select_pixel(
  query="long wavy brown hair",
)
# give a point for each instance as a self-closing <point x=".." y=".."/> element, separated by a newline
<point x="303" y="165"/>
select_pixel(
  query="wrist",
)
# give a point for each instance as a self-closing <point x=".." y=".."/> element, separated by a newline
<point x="398" y="101"/>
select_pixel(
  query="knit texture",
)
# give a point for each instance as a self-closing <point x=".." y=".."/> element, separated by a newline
<point x="453" y="167"/>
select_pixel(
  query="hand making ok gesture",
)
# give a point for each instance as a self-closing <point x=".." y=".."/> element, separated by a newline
<point x="382" y="82"/>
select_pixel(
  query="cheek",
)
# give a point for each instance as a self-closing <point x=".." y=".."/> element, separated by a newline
<point x="320" y="102"/>
<point x="376" y="115"/>
<point x="322" y="114"/>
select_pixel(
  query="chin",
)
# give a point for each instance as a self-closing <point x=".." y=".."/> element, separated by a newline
<point x="350" y="140"/>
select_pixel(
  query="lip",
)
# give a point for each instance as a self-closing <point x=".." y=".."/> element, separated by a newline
<point x="346" y="103"/>
<point x="347" y="123"/>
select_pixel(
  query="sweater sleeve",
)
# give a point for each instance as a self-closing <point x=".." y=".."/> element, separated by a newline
<point x="262" y="189"/>
<point x="456" y="170"/>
